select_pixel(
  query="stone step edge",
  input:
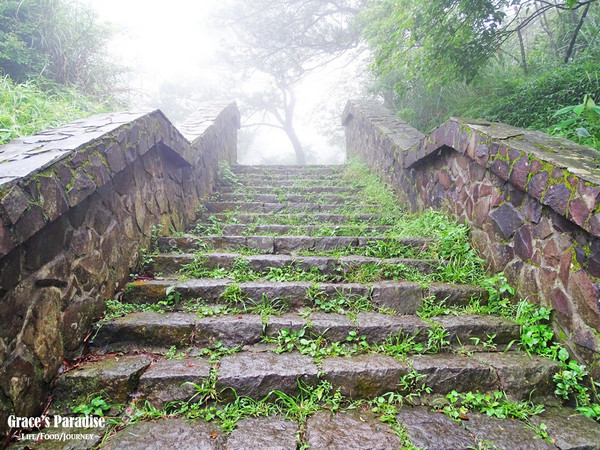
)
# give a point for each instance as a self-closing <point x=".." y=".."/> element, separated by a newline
<point x="212" y="207"/>
<point x="234" y="329"/>
<point x="171" y="263"/>
<point x="287" y="198"/>
<point x="257" y="374"/>
<point x="289" y="230"/>
<point x="402" y="297"/>
<point x="294" y="189"/>
<point x="283" y="244"/>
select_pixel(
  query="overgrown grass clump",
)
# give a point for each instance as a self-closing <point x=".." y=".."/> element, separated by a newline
<point x="30" y="107"/>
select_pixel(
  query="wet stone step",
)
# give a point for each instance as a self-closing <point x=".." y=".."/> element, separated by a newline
<point x="352" y="430"/>
<point x="172" y="263"/>
<point x="117" y="376"/>
<point x="292" y="169"/>
<point x="296" y="219"/>
<point x="150" y="329"/>
<point x="402" y="297"/>
<point x="283" y="244"/>
<point x="257" y="207"/>
<point x="286" y="198"/>
<point x="310" y="230"/>
<point x="519" y="375"/>
<point x="296" y="189"/>
<point x="293" y="182"/>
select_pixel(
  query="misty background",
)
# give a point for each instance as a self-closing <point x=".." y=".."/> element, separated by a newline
<point x="178" y="54"/>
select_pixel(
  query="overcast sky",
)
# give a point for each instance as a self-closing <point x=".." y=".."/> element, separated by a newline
<point x="171" y="41"/>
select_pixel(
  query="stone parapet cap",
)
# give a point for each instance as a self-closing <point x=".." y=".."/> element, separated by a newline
<point x="43" y="176"/>
<point x="561" y="174"/>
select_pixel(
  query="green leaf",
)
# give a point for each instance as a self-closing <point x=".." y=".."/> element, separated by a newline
<point x="579" y="109"/>
<point x="564" y="110"/>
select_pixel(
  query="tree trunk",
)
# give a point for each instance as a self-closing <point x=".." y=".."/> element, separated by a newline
<point x="291" y="134"/>
<point x="575" y="33"/>
<point x="522" y="48"/>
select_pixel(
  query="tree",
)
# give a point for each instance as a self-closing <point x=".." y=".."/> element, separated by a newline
<point x="55" y="39"/>
<point x="279" y="42"/>
<point x="443" y="40"/>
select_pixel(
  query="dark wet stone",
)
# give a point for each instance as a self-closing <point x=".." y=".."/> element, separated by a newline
<point x="506" y="220"/>
<point x="457" y="294"/>
<point x="116" y="376"/>
<point x="83" y="186"/>
<point x="402" y="297"/>
<point x="519" y="374"/>
<point x="523" y="243"/>
<point x="352" y="430"/>
<point x="461" y="329"/>
<point x="272" y="433"/>
<point x="537" y="184"/>
<point x="170" y="433"/>
<point x="287" y="244"/>
<point x="432" y="430"/>
<point x="333" y="327"/>
<point x="260" y="263"/>
<point x="170" y="380"/>
<point x="231" y="330"/>
<point x="294" y="293"/>
<point x="500" y="168"/>
<point x="261" y="243"/>
<point x="290" y="321"/>
<point x="364" y="376"/>
<point x="503" y="434"/>
<point x="379" y="327"/>
<point x="257" y="374"/>
<point x="445" y="372"/>
<point x="147" y="327"/>
<point x="557" y="197"/>
<point x="569" y="429"/>
<point x="520" y="172"/>
<point x="14" y="203"/>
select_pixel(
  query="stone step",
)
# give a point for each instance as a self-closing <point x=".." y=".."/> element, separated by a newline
<point x="286" y="198"/>
<point x="284" y="208"/>
<point x="329" y="266"/>
<point x="154" y="330"/>
<point x="284" y="169"/>
<point x="302" y="190"/>
<point x="256" y="374"/>
<point x="313" y="181"/>
<point x="283" y="244"/>
<point x="360" y="428"/>
<point x="309" y="230"/>
<point x="402" y="297"/>
<point x="294" y="219"/>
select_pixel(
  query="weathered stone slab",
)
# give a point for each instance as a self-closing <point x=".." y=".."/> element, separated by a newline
<point x="168" y="380"/>
<point x="431" y="430"/>
<point x="117" y="376"/>
<point x="402" y="297"/>
<point x="462" y="329"/>
<point x="170" y="433"/>
<point x="333" y="327"/>
<point x="569" y="429"/>
<point x="445" y="373"/>
<point x="520" y="374"/>
<point x="290" y="321"/>
<point x="364" y="376"/>
<point x="503" y="434"/>
<point x="379" y="327"/>
<point x="232" y="331"/>
<point x="457" y="294"/>
<point x="257" y="374"/>
<point x="147" y="327"/>
<point x="349" y="431"/>
<point x="274" y="433"/>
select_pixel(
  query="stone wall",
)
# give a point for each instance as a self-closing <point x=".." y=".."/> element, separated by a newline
<point x="76" y="205"/>
<point x="532" y="201"/>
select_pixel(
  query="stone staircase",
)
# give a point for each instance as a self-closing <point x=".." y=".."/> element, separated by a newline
<point x="272" y="309"/>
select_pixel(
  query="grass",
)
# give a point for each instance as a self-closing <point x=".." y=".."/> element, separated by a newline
<point x="28" y="108"/>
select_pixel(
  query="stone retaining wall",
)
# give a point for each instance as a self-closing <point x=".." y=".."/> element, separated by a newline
<point x="532" y="201"/>
<point x="76" y="205"/>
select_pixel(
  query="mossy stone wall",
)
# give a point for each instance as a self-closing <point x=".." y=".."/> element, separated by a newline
<point x="532" y="201"/>
<point x="77" y="204"/>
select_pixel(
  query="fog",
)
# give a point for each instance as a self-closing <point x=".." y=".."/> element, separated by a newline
<point x="175" y="56"/>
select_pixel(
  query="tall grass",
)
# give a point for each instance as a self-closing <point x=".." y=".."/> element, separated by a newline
<point x="30" y="107"/>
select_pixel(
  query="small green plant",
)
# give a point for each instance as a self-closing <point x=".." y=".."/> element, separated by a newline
<point x="172" y="353"/>
<point x="584" y="122"/>
<point x="494" y="405"/>
<point x="225" y="175"/>
<point x="97" y="406"/>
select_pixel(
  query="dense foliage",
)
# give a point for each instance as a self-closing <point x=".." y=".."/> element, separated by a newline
<point x="514" y="61"/>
